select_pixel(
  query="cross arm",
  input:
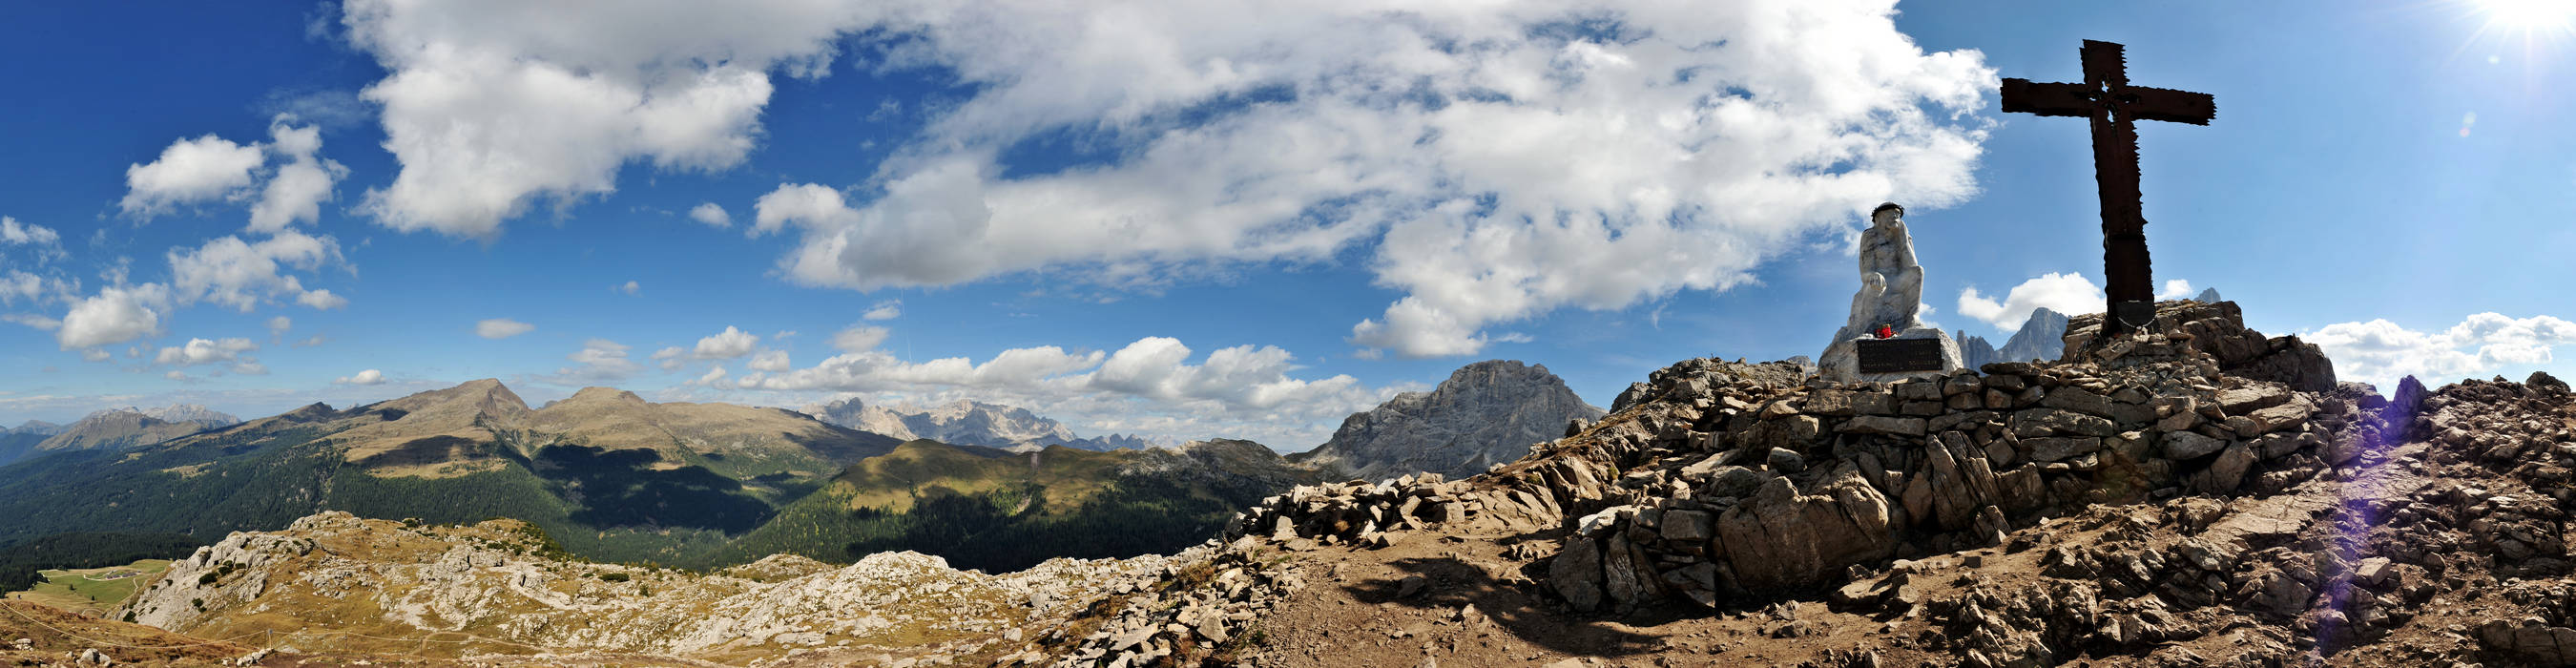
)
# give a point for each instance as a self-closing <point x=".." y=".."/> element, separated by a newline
<point x="2047" y="99"/>
<point x="2165" y="104"/>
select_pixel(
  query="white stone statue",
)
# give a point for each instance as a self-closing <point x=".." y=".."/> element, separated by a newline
<point x="1891" y="290"/>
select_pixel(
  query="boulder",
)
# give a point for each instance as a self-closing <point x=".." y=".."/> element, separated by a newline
<point x="1782" y="539"/>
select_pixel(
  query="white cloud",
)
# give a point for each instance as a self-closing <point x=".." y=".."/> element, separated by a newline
<point x="2380" y="352"/>
<point x="367" y="377"/>
<point x="115" y="315"/>
<point x="1149" y="386"/>
<point x="491" y="105"/>
<point x="189" y="171"/>
<point x="728" y="344"/>
<point x="598" y="361"/>
<point x="205" y="351"/>
<point x="672" y="358"/>
<point x="32" y="320"/>
<point x="1507" y="159"/>
<point x="297" y="189"/>
<point x="180" y="376"/>
<point x="277" y="326"/>
<point x="16" y="233"/>
<point x="884" y="310"/>
<point x="312" y="341"/>
<point x="712" y="215"/>
<point x="321" y="300"/>
<point x="231" y="272"/>
<point x="17" y="285"/>
<point x="631" y="287"/>
<point x="774" y="360"/>
<point x="501" y="328"/>
<point x="2069" y="293"/>
<point x="2175" y="289"/>
<point x="712" y="375"/>
<point x="859" y="338"/>
<point x="1504" y="159"/>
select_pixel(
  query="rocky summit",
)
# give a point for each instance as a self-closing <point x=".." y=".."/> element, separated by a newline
<point x="2196" y="494"/>
<point x="965" y="422"/>
<point x="1486" y="413"/>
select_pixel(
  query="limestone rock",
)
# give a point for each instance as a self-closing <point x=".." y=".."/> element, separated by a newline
<point x="1486" y="413"/>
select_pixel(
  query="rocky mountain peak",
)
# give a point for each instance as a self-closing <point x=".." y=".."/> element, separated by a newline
<point x="1486" y="413"/>
<point x="606" y="395"/>
<point x="190" y="413"/>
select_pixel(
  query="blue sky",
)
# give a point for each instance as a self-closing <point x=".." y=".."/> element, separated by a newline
<point x="1247" y="221"/>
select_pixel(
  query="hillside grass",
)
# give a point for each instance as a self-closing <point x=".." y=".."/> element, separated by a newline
<point x="83" y="588"/>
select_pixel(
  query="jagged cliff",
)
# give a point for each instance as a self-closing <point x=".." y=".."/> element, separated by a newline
<point x="1486" y="413"/>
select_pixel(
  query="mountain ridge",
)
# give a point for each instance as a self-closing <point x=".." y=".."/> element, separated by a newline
<point x="1485" y="413"/>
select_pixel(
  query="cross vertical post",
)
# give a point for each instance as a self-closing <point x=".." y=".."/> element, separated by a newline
<point x="2113" y="105"/>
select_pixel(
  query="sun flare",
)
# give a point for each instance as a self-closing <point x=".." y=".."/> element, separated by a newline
<point x="2529" y="15"/>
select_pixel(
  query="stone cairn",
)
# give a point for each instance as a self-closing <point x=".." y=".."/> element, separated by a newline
<point x="1720" y="481"/>
<point x="1890" y="292"/>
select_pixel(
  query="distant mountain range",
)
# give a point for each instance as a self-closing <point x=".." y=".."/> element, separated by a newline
<point x="617" y="478"/>
<point x="110" y="429"/>
<point x="1486" y="413"/>
<point x="968" y="423"/>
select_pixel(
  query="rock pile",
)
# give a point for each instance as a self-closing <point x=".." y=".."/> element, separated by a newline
<point x="1211" y="606"/>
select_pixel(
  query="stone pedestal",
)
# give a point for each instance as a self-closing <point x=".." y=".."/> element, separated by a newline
<point x="1841" y="362"/>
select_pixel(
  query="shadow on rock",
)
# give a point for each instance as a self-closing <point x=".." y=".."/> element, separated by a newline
<point x="1448" y="586"/>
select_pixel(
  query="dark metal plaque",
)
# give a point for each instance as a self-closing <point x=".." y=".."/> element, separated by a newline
<point x="2134" y="315"/>
<point x="1898" y="355"/>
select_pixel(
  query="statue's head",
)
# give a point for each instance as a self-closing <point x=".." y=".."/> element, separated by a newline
<point x="1885" y="213"/>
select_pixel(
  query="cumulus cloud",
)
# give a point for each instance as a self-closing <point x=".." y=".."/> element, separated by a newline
<point x="712" y="215"/>
<point x="672" y="358"/>
<point x="189" y="171"/>
<point x="114" y="315"/>
<point x="205" y="351"/>
<point x="17" y="285"/>
<point x="859" y="338"/>
<point x="178" y="375"/>
<point x="631" y="287"/>
<point x="1506" y="159"/>
<point x="727" y="344"/>
<point x="491" y="105"/>
<point x="501" y="328"/>
<point x="2068" y="293"/>
<point x="711" y="376"/>
<point x="1503" y="159"/>
<point x="211" y="168"/>
<point x="297" y="189"/>
<point x="599" y="361"/>
<point x="367" y="377"/>
<point x="1150" y="385"/>
<point x="242" y="275"/>
<point x="15" y="233"/>
<point x="884" y="310"/>
<point x="774" y="360"/>
<point x="2380" y="352"/>
<point x="277" y="327"/>
<point x="2175" y="289"/>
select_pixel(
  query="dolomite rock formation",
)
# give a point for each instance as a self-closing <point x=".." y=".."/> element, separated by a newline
<point x="1486" y="413"/>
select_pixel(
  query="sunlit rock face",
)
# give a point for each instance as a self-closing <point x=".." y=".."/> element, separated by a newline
<point x="1486" y="413"/>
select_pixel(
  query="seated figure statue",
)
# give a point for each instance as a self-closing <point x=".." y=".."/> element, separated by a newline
<point x="1891" y="291"/>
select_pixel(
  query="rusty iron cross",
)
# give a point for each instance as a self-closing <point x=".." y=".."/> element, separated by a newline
<point x="2108" y="99"/>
